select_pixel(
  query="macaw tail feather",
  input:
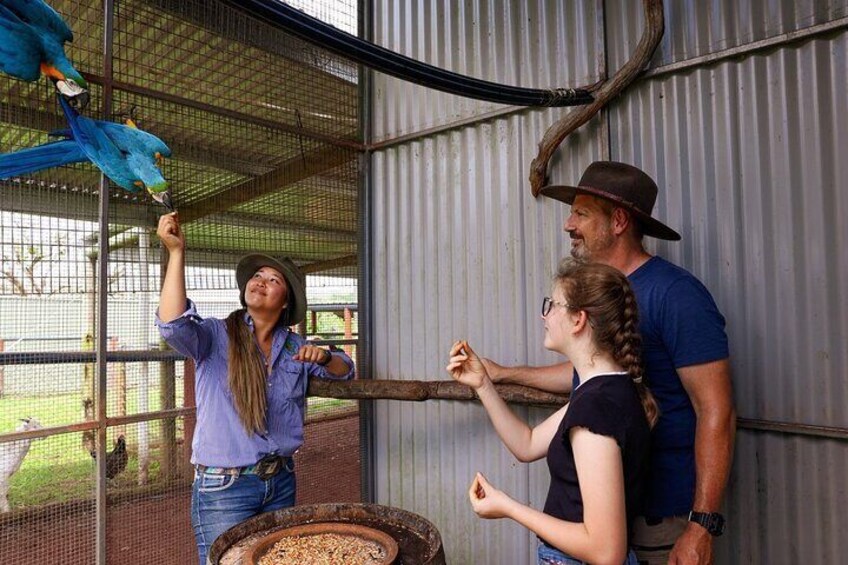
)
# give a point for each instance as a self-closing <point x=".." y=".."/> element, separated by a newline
<point x="39" y="158"/>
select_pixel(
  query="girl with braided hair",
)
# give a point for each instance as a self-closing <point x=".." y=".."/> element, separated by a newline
<point x="597" y="445"/>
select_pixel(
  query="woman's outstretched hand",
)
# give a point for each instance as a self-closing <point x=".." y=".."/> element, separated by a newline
<point x="487" y="501"/>
<point x="170" y="233"/>
<point x="465" y="366"/>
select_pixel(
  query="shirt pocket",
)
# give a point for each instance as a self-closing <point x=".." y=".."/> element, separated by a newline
<point x="289" y="382"/>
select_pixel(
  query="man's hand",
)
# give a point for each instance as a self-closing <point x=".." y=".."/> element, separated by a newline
<point x="496" y="372"/>
<point x="486" y="500"/>
<point x="693" y="547"/>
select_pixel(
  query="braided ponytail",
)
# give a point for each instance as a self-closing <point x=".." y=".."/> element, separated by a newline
<point x="629" y="353"/>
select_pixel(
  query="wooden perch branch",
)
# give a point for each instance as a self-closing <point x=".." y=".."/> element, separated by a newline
<point x="651" y="36"/>
<point x="418" y="391"/>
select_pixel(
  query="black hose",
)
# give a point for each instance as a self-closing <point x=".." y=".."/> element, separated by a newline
<point x="351" y="47"/>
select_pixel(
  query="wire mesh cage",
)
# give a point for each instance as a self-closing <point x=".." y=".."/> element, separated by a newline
<point x="265" y="137"/>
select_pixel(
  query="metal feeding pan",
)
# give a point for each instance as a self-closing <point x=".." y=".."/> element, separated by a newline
<point x="418" y="541"/>
<point x="388" y="546"/>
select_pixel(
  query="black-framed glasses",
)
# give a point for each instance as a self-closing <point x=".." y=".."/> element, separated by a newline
<point x="548" y="304"/>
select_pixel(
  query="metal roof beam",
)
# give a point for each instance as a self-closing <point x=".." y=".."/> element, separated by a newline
<point x="309" y="164"/>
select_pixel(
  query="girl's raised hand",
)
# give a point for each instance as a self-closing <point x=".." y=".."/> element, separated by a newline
<point x="465" y="366"/>
<point x="487" y="501"/>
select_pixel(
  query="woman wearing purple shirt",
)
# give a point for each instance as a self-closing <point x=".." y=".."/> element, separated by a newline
<point x="251" y="379"/>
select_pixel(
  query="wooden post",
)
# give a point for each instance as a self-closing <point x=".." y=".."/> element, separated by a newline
<point x="120" y="383"/>
<point x="348" y="330"/>
<point x="88" y="393"/>
<point x="314" y="317"/>
<point x="2" y="375"/>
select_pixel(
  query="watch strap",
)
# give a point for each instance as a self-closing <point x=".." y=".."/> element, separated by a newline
<point x="713" y="522"/>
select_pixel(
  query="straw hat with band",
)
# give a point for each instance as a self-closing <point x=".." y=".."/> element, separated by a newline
<point x="295" y="312"/>
<point x="625" y="186"/>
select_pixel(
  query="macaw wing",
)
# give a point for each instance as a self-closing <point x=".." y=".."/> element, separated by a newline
<point x="41" y="157"/>
<point x="39" y="14"/>
<point x="101" y="150"/>
<point x="128" y="138"/>
<point x="20" y="49"/>
<point x="92" y="139"/>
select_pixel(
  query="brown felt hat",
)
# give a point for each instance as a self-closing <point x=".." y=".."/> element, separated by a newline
<point x="622" y="184"/>
<point x="296" y="309"/>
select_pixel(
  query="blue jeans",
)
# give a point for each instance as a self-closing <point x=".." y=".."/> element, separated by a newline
<point x="219" y="502"/>
<point x="548" y="555"/>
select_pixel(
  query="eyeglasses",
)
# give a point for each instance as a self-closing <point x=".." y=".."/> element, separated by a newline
<point x="548" y="304"/>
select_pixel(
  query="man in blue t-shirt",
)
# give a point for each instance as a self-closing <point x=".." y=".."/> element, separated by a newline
<point x="686" y="360"/>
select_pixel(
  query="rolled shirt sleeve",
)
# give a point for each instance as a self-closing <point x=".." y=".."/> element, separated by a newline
<point x="321" y="371"/>
<point x="188" y="334"/>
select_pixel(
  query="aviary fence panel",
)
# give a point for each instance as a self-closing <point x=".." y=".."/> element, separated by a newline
<point x="264" y="131"/>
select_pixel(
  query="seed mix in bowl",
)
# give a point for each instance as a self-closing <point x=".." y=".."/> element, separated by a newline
<point x="324" y="549"/>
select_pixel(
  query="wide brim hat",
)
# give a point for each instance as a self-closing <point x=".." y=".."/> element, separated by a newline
<point x="295" y="312"/>
<point x="622" y="184"/>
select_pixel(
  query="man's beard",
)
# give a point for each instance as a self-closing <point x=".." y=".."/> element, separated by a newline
<point x="585" y="254"/>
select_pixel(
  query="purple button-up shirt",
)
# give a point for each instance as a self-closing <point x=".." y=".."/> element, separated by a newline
<point x="220" y="439"/>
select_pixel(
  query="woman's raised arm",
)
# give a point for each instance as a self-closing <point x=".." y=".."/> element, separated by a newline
<point x="172" y="298"/>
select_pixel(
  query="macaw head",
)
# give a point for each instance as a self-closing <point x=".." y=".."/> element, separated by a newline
<point x="69" y="82"/>
<point x="150" y="178"/>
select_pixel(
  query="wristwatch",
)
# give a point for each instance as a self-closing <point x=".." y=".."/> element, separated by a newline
<point x="327" y="359"/>
<point x="713" y="522"/>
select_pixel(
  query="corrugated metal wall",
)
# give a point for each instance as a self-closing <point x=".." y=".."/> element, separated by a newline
<point x="747" y="154"/>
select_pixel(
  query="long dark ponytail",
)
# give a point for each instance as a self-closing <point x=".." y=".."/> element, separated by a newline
<point x="247" y="374"/>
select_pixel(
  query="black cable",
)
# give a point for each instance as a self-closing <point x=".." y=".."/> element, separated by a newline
<point x="346" y="45"/>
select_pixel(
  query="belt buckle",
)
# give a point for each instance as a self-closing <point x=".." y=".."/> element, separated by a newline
<point x="267" y="467"/>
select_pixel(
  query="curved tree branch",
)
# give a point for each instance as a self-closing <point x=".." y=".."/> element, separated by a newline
<point x="651" y="36"/>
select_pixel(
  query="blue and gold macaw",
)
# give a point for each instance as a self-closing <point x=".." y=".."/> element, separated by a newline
<point x="32" y="41"/>
<point x="125" y="154"/>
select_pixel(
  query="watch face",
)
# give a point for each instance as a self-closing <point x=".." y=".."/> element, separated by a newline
<point x="716" y="524"/>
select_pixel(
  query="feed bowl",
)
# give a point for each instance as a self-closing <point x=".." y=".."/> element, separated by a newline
<point x="323" y="539"/>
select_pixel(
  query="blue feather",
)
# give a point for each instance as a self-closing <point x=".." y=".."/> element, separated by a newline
<point x="39" y="158"/>
<point x="32" y="39"/>
<point x="125" y="154"/>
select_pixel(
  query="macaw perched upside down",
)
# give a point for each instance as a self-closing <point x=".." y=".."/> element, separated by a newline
<point x="32" y="41"/>
<point x="124" y="153"/>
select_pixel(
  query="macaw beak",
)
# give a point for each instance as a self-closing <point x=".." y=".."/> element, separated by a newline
<point x="75" y="93"/>
<point x="163" y="198"/>
<point x="80" y="101"/>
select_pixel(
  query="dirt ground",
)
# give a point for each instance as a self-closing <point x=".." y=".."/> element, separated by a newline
<point x="156" y="530"/>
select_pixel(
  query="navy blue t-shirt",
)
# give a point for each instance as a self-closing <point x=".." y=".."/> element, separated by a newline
<point x="680" y="326"/>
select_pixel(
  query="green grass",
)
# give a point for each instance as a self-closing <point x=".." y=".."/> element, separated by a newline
<point x="59" y="469"/>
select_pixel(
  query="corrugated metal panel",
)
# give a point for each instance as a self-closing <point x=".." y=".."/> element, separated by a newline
<point x="695" y="28"/>
<point x="749" y="156"/>
<point x="456" y="229"/>
<point x="534" y="44"/>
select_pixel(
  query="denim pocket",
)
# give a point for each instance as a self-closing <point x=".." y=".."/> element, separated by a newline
<point x="213" y="482"/>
